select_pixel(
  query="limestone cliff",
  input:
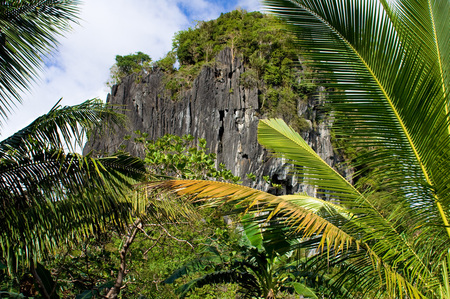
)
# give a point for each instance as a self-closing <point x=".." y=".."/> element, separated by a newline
<point x="219" y="109"/>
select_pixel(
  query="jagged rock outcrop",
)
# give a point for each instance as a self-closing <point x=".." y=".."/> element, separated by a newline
<point x="218" y="109"/>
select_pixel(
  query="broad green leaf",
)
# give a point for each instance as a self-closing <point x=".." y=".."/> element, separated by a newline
<point x="303" y="290"/>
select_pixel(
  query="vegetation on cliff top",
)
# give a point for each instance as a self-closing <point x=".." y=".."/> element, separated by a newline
<point x="267" y="50"/>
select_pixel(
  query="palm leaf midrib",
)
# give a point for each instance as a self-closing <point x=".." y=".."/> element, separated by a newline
<point x="336" y="173"/>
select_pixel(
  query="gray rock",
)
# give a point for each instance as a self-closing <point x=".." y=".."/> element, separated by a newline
<point x="218" y="109"/>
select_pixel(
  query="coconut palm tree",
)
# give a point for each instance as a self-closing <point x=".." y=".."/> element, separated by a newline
<point x="28" y="31"/>
<point x="51" y="198"/>
<point x="387" y="64"/>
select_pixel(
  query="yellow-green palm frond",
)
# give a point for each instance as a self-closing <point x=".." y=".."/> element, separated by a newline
<point x="298" y="218"/>
<point x="283" y="141"/>
<point x="318" y="205"/>
<point x="364" y="219"/>
<point x="153" y="206"/>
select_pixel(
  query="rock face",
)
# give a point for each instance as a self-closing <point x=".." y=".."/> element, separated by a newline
<point x="218" y="109"/>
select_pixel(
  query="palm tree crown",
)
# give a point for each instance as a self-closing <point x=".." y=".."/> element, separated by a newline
<point x="50" y="197"/>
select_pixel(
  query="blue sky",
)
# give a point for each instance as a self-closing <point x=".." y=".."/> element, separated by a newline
<point x="79" y="69"/>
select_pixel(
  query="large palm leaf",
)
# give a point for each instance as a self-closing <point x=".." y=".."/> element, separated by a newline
<point x="347" y="230"/>
<point x="395" y="98"/>
<point x="28" y="31"/>
<point x="388" y="65"/>
<point x="391" y="59"/>
<point x="50" y="197"/>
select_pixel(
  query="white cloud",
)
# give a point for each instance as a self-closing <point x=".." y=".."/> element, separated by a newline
<point x="249" y="5"/>
<point x="80" y="68"/>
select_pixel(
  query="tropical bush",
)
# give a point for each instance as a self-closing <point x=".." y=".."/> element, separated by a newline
<point x="260" y="268"/>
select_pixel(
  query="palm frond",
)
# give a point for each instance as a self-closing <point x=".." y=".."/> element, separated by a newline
<point x="62" y="127"/>
<point x="54" y="199"/>
<point x="157" y="207"/>
<point x="50" y="198"/>
<point x="283" y="141"/>
<point x="387" y="62"/>
<point x="398" y="112"/>
<point x="255" y="201"/>
<point x="28" y="34"/>
<point x="425" y="26"/>
<point x="318" y="205"/>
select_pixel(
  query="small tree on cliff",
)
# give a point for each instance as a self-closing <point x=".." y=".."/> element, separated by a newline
<point x="127" y="65"/>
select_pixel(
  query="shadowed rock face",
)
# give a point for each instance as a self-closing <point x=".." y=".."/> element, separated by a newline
<point x="218" y="109"/>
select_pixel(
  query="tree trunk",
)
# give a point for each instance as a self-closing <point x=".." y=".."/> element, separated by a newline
<point x="115" y="290"/>
<point x="38" y="280"/>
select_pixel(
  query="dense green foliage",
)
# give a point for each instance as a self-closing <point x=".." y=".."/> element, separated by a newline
<point x="259" y="267"/>
<point x="168" y="232"/>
